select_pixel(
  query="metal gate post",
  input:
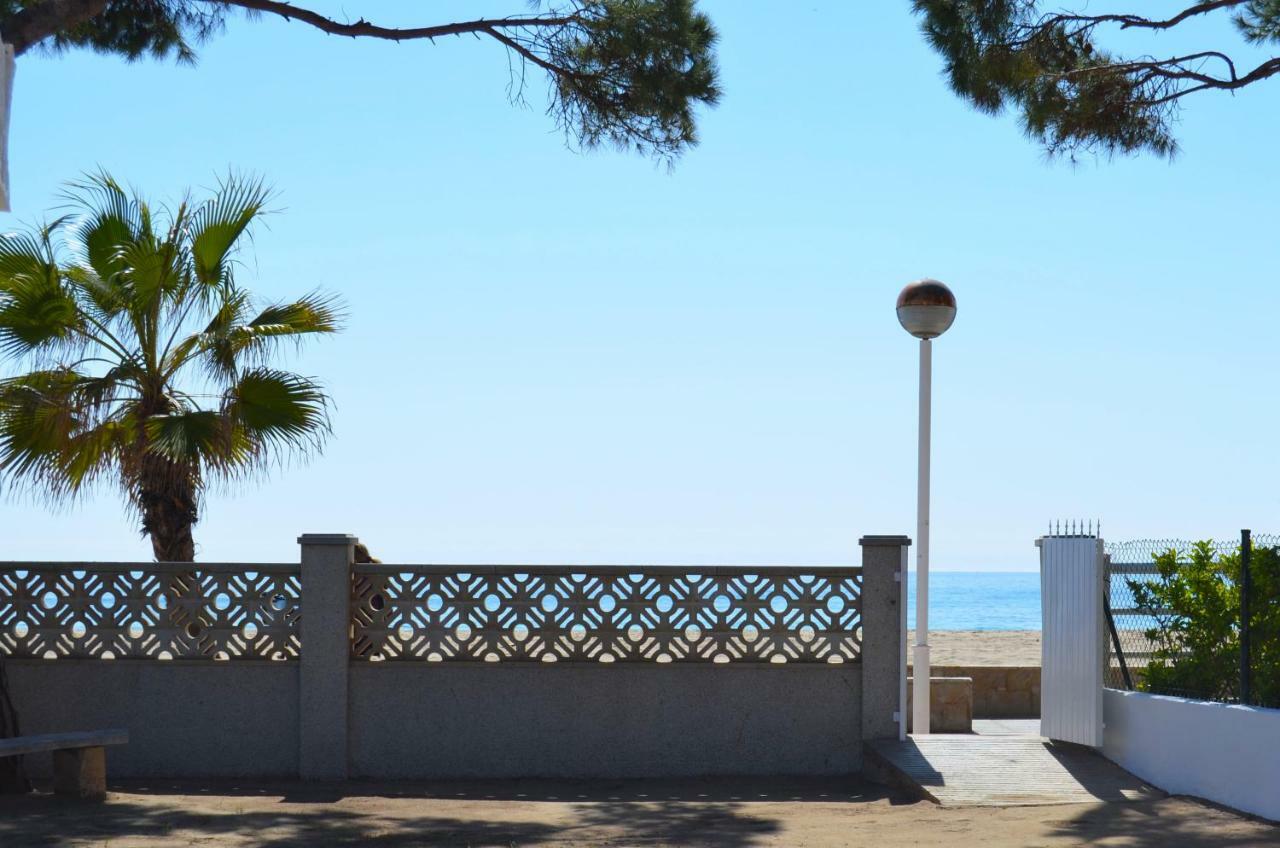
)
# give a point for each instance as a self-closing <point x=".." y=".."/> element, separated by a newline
<point x="1246" y="589"/>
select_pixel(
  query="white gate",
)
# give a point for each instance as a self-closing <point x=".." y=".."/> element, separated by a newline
<point x="1073" y="647"/>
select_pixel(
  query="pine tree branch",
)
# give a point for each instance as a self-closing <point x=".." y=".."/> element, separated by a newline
<point x="35" y="23"/>
<point x="1174" y="70"/>
<point x="43" y="20"/>
<point x="1128" y="21"/>
<point x="1073" y="92"/>
<point x="1269" y="68"/>
<point x="365" y="29"/>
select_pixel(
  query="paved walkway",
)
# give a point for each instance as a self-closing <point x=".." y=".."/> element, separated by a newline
<point x="1010" y="769"/>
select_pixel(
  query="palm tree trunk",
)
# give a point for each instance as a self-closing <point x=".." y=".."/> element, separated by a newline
<point x="166" y="497"/>
<point x="171" y="539"/>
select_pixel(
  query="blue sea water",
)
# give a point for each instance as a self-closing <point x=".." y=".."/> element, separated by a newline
<point x="980" y="600"/>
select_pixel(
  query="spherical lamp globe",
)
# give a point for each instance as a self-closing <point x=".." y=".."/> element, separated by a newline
<point x="926" y="309"/>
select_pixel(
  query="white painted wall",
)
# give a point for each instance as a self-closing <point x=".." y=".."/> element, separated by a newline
<point x="1221" y="752"/>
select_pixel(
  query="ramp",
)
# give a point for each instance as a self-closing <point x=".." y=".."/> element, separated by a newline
<point x="1002" y="771"/>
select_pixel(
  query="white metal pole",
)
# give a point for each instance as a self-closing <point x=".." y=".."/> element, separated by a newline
<point x="920" y="660"/>
<point x="902" y="646"/>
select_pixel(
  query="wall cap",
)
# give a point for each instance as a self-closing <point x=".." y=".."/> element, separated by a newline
<point x="885" y="541"/>
<point x="327" y="539"/>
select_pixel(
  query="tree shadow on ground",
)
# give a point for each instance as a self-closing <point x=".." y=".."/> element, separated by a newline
<point x="44" y="821"/>
<point x="713" y="813"/>
<point x="1099" y="776"/>
<point x="718" y="824"/>
<point x="1146" y="824"/>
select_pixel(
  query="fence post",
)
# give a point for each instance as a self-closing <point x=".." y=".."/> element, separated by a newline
<point x="884" y="636"/>
<point x="326" y="651"/>
<point x="1246" y="589"/>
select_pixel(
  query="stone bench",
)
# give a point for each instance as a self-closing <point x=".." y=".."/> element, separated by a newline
<point x="950" y="704"/>
<point x="79" y="759"/>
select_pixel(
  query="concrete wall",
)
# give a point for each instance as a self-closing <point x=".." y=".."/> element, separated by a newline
<point x="950" y="704"/>
<point x="326" y="717"/>
<point x="185" y="719"/>
<point x="413" y="720"/>
<point x="884" y="636"/>
<point x="1221" y="752"/>
<point x="999" y="691"/>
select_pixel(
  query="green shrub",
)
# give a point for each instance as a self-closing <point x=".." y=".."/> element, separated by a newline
<point x="1196" y="639"/>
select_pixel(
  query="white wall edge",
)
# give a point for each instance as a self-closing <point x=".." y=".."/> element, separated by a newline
<point x="1225" y="753"/>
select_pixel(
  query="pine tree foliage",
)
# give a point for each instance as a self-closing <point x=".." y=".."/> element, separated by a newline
<point x="628" y="73"/>
<point x="1075" y="94"/>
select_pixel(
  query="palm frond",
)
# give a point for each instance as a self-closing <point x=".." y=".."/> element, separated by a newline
<point x="214" y="344"/>
<point x="98" y="236"/>
<point x="150" y="271"/>
<point x="312" y="313"/>
<point x="279" y="410"/>
<point x="36" y="311"/>
<point x="58" y="428"/>
<point x="24" y="256"/>
<point x="219" y="223"/>
<point x="95" y="452"/>
<point x="105" y="301"/>
<point x="232" y="339"/>
<point x="186" y="436"/>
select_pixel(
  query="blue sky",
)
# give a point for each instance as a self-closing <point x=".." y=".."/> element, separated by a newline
<point x="558" y="357"/>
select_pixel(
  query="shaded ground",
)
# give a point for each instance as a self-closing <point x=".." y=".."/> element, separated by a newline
<point x="993" y="770"/>
<point x="718" y="814"/>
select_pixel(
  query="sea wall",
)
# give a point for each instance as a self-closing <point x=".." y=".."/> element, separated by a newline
<point x="999" y="691"/>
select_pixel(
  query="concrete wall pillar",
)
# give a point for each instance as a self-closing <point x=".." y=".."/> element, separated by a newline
<point x="884" y="659"/>
<point x="325" y="631"/>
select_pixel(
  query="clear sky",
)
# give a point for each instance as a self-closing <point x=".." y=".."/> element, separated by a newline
<point x="558" y="357"/>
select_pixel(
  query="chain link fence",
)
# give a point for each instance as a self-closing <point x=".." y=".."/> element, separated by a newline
<point x="1143" y="630"/>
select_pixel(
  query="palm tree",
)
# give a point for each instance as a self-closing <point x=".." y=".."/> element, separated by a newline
<point x="133" y="358"/>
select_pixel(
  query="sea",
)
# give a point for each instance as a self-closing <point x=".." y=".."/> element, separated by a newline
<point x="980" y="600"/>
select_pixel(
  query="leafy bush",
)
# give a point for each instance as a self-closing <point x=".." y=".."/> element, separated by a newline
<point x="1196" y="640"/>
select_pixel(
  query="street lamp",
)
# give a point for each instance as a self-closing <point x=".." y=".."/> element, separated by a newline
<point x="926" y="310"/>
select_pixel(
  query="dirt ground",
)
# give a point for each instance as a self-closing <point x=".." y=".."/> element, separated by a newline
<point x="717" y="814"/>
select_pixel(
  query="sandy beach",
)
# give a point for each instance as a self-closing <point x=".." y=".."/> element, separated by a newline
<point x="982" y="647"/>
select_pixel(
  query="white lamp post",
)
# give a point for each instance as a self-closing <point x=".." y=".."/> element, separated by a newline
<point x="926" y="310"/>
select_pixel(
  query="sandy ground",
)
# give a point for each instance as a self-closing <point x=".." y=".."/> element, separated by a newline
<point x="718" y="814"/>
<point x="982" y="647"/>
